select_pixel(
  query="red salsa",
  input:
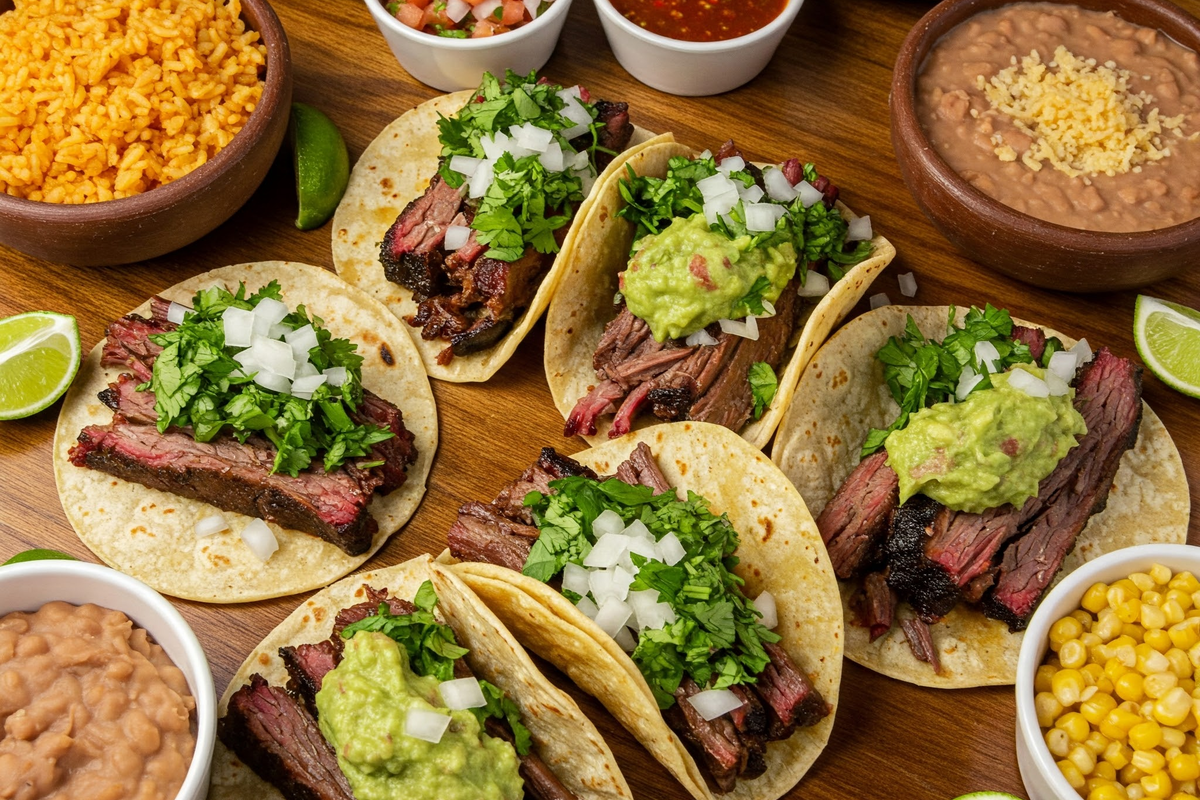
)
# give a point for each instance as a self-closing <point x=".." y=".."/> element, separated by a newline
<point x="700" y="20"/>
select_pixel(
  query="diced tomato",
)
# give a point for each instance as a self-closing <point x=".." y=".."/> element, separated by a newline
<point x="514" y="12"/>
<point x="411" y="15"/>
<point x="435" y="14"/>
<point x="475" y="2"/>
<point x="485" y="27"/>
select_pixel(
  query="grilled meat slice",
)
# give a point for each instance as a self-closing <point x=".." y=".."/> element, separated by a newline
<point x="640" y="469"/>
<point x="788" y="695"/>
<point x="550" y="465"/>
<point x="877" y="605"/>
<point x="1035" y="338"/>
<point x="482" y="533"/>
<point x="715" y="741"/>
<point x="920" y="641"/>
<point x="411" y="252"/>
<point x="927" y="588"/>
<point x="1108" y="394"/>
<point x="598" y="402"/>
<point x="615" y="134"/>
<point x="307" y="665"/>
<point x="127" y="343"/>
<point x="966" y="547"/>
<point x="752" y="724"/>
<point x="369" y="608"/>
<point x="540" y="782"/>
<point x="276" y="736"/>
<point x="854" y="522"/>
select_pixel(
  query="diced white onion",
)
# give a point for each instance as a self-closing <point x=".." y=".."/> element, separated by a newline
<point x="768" y="309"/>
<point x="638" y="529"/>
<point x="588" y="607"/>
<point x="176" y="312"/>
<point x="1058" y="387"/>
<point x="1028" y="383"/>
<point x="575" y="579"/>
<point x="815" y="285"/>
<point x="574" y="110"/>
<point x="746" y="328"/>
<point x="715" y="186"/>
<point x="238" y="324"/>
<point x="761" y="217"/>
<point x="302" y="340"/>
<point x="580" y="161"/>
<point x="732" y="164"/>
<point x="464" y="165"/>
<point x="428" y="726"/>
<point x="703" y="155"/>
<point x="276" y="383"/>
<point x="700" y="337"/>
<point x="462" y="693"/>
<point x="649" y="613"/>
<point x="275" y="356"/>
<point x="456" y="10"/>
<point x="607" y="551"/>
<point x="671" y="549"/>
<point x="305" y="369"/>
<point x="751" y="194"/>
<point x="607" y="522"/>
<point x="613" y="615"/>
<point x="552" y="157"/>
<point x="719" y="206"/>
<point x="645" y="548"/>
<point x="304" y="387"/>
<point x="765" y="603"/>
<point x="456" y="236"/>
<point x="1064" y="363"/>
<point x="532" y="7"/>
<point x="213" y="523"/>
<point x="879" y="301"/>
<point x="712" y="703"/>
<point x="967" y="381"/>
<point x="268" y="312"/>
<point x="908" y="284"/>
<point x="987" y="355"/>
<point x="531" y="137"/>
<point x="493" y="146"/>
<point x="482" y="179"/>
<point x="586" y="178"/>
<point x="1082" y="351"/>
<point x="809" y="195"/>
<point x="246" y="359"/>
<point x="778" y="187"/>
<point x="568" y="92"/>
<point x="336" y="375"/>
<point x="577" y="129"/>
<point x="859" y="229"/>
<point x="610" y="584"/>
<point x="278" y="331"/>
<point x="485" y="9"/>
<point x="625" y="640"/>
<point x="259" y="538"/>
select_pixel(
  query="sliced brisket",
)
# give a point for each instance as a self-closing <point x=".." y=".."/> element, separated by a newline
<point x="715" y="741"/>
<point x="920" y="641"/>
<point x="615" y="134"/>
<point x="641" y="469"/>
<point x="127" y="344"/>
<point x="788" y="695"/>
<point x="550" y="466"/>
<point x="482" y="533"/>
<point x="877" y="605"/>
<point x="1035" y="338"/>
<point x="307" y="665"/>
<point x="1108" y="394"/>
<point x="275" y="736"/>
<point x="926" y="587"/>
<point x="854" y="522"/>
<point x="411" y="252"/>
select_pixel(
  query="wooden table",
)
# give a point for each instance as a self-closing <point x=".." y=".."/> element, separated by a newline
<point x="824" y="98"/>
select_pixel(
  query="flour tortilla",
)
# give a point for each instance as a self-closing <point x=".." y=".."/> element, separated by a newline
<point x="394" y="170"/>
<point x="563" y="737"/>
<point x="842" y="396"/>
<point x="150" y="535"/>
<point x="583" y="305"/>
<point x="780" y="551"/>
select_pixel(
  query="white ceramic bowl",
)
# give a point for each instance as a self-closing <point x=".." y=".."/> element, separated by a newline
<point x="1039" y="773"/>
<point x="451" y="64"/>
<point x="692" y="68"/>
<point x="29" y="586"/>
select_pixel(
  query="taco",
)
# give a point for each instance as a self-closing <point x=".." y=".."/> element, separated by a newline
<point x="659" y="330"/>
<point x="455" y="212"/>
<point x="176" y="441"/>
<point x="1014" y="455"/>
<point x="372" y="666"/>
<point x="654" y="617"/>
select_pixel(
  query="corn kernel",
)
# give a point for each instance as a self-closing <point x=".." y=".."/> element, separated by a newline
<point x="1184" y="796"/>
<point x="1095" y="598"/>
<point x="1170" y="752"/>
<point x="1158" y="684"/>
<point x="1064" y="630"/>
<point x="1145" y="736"/>
<point x="1134" y="631"/>
<point x="1082" y="758"/>
<point x="1108" y="626"/>
<point x="1041" y="679"/>
<point x="1048" y="708"/>
<point x="1075" y="725"/>
<point x="1094" y="670"/>
<point x="1152" y="597"/>
<point x="1148" y="761"/>
<point x="1072" y="654"/>
<point x="1097" y="742"/>
<point x="1149" y="661"/>
<point x="1130" y="610"/>
<point x="1058" y="743"/>
<point x="1183" y="634"/>
<point x="1173" y="738"/>
<point x="1094" y="709"/>
<point x="1117" y="754"/>
<point x="1152" y="617"/>
<point x="1119" y="594"/>
<point x="1130" y="686"/>
<point x="1172" y="708"/>
<point x="1181" y="665"/>
<point x="1143" y="581"/>
<point x="1130" y="775"/>
<point x="1191" y="746"/>
<point x="1184" y="767"/>
<point x="1105" y="685"/>
<point x="1161" y="574"/>
<point x="1106" y="771"/>
<point x="1173" y="611"/>
<point x="1134" y="792"/>
<point x="1185" y="582"/>
<point x="1157" y="785"/>
<point x="1183" y="598"/>
<point x="1071" y="773"/>
<point x="1188" y="685"/>
<point x="1106" y="792"/>
<point x="1068" y="684"/>
<point x="1083" y="618"/>
<point x="1114" y="669"/>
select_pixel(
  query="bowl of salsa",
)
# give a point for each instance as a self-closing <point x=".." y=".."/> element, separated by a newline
<point x="449" y="44"/>
<point x="695" y="47"/>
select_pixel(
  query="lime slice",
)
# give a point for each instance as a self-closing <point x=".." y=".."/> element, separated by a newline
<point x="39" y="555"/>
<point x="322" y="165"/>
<point x="1168" y="340"/>
<point x="987" y="796"/>
<point x="39" y="355"/>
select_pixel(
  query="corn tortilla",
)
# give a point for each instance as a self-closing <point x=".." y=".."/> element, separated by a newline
<point x="842" y="395"/>
<point x="394" y="170"/>
<point x="780" y="552"/>
<point x="149" y="534"/>
<point x="563" y="737"/>
<point x="583" y="306"/>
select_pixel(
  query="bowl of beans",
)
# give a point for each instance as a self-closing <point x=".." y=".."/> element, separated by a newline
<point x="93" y="653"/>
<point x="1107" y="680"/>
<point x="449" y="44"/>
<point x="128" y="131"/>
<point x="1056" y="142"/>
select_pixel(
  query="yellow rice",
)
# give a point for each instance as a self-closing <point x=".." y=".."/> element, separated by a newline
<point x="102" y="99"/>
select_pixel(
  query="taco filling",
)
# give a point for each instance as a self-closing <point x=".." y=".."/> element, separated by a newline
<point x="257" y="409"/>
<point x="711" y="296"/>
<point x="380" y="709"/>
<point x="516" y="162"/>
<point x="653" y="572"/>
<point x="1005" y="446"/>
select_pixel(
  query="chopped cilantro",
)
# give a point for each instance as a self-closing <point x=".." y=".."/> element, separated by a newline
<point x="716" y="637"/>
<point x="921" y="372"/>
<point x="197" y="384"/>
<point x="763" y="385"/>
<point x="432" y="649"/>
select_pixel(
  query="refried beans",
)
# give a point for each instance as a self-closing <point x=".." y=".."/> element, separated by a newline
<point x="90" y="708"/>
<point x="966" y="130"/>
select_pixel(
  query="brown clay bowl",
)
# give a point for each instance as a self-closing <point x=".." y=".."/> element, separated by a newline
<point x="1029" y="249"/>
<point x="178" y="213"/>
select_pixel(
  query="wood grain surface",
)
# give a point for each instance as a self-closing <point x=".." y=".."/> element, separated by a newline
<point x="824" y="98"/>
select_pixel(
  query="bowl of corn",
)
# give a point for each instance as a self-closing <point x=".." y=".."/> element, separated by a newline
<point x="1107" y="680"/>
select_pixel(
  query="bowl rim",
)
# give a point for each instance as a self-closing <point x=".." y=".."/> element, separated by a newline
<point x="196" y="780"/>
<point x="942" y="18"/>
<point x="557" y="9"/>
<point x="1128" y="559"/>
<point x="273" y="37"/>
<point x="777" y="26"/>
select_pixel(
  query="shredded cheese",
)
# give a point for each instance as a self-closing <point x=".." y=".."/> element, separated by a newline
<point x="1082" y="117"/>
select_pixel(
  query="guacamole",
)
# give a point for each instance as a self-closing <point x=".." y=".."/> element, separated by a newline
<point x="688" y="277"/>
<point x="993" y="448"/>
<point x="362" y="707"/>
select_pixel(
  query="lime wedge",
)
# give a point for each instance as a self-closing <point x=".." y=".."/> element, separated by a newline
<point x="1168" y="340"/>
<point x="987" y="796"/>
<point x="39" y="355"/>
<point x="322" y="165"/>
<point x="39" y="555"/>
